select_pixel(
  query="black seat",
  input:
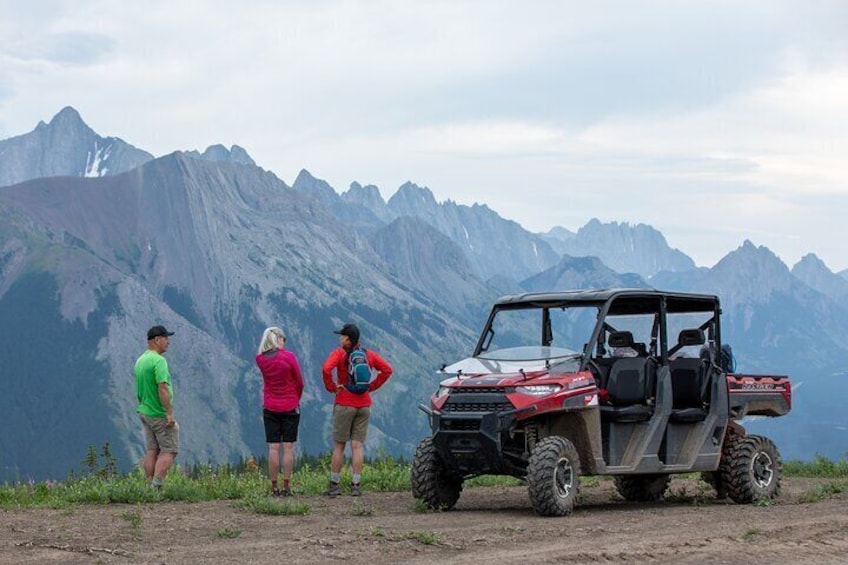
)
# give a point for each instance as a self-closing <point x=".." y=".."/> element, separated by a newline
<point x="629" y="387"/>
<point x="624" y="340"/>
<point x="689" y="390"/>
<point x="689" y="382"/>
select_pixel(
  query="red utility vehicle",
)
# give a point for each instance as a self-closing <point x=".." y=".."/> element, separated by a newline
<point x="621" y="382"/>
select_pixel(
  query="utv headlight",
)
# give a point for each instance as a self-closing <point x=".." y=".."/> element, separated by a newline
<point x="538" y="390"/>
<point x="443" y="391"/>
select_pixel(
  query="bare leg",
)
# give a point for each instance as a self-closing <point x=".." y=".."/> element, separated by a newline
<point x="163" y="463"/>
<point x="273" y="461"/>
<point x="148" y="463"/>
<point x="288" y="460"/>
<point x="357" y="455"/>
<point x="338" y="457"/>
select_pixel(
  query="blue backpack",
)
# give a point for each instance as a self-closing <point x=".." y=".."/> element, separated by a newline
<point x="358" y="371"/>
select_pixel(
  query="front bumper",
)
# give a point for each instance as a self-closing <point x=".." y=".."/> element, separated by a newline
<point x="471" y="443"/>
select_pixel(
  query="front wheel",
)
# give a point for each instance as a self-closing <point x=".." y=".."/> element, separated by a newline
<point x="553" y="476"/>
<point x="753" y="470"/>
<point x="431" y="483"/>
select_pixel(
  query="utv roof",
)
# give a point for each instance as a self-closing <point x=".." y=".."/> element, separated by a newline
<point x="627" y="300"/>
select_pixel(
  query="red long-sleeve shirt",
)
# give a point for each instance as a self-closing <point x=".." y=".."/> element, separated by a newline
<point x="283" y="383"/>
<point x="338" y="360"/>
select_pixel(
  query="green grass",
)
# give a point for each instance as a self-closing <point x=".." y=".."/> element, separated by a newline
<point x="590" y="482"/>
<point x="359" y="509"/>
<point x="819" y="467"/>
<point x="426" y="538"/>
<point x="271" y="507"/>
<point x="821" y="492"/>
<point x="133" y="518"/>
<point x="493" y="481"/>
<point x="200" y="483"/>
<point x="247" y="482"/>
<point x="228" y="533"/>
<point x="683" y="496"/>
<point x="751" y="534"/>
<point x="421" y="507"/>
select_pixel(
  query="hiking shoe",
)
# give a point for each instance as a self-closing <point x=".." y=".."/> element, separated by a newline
<point x="285" y="492"/>
<point x="355" y="489"/>
<point x="333" y="490"/>
<point x="276" y="492"/>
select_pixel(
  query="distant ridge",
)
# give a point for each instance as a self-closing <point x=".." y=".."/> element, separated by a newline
<point x="65" y="147"/>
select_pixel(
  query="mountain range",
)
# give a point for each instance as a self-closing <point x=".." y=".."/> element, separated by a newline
<point x="100" y="240"/>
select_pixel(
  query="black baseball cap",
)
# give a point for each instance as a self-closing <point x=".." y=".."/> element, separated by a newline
<point x="351" y="331"/>
<point x="156" y="331"/>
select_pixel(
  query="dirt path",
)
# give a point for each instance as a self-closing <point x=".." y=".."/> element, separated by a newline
<point x="494" y="525"/>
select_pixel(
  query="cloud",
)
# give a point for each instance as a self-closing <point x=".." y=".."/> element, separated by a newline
<point x="68" y="48"/>
<point x="551" y="112"/>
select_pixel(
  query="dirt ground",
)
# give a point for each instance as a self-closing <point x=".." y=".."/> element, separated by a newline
<point x="490" y="524"/>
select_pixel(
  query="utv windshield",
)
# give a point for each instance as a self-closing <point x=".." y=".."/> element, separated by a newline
<point x="554" y="327"/>
<point x="517" y="359"/>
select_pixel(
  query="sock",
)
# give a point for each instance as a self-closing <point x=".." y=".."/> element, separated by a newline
<point x="355" y="479"/>
<point x="273" y="485"/>
<point x="285" y="483"/>
<point x="335" y="478"/>
<point x="158" y="481"/>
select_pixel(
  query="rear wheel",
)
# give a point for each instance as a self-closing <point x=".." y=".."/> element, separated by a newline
<point x="753" y="470"/>
<point x="553" y="476"/>
<point x="642" y="488"/>
<point x="714" y="478"/>
<point x="431" y="483"/>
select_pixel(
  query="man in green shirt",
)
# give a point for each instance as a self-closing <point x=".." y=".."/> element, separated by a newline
<point x="155" y="407"/>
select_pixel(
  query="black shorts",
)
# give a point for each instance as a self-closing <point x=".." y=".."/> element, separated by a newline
<point x="280" y="426"/>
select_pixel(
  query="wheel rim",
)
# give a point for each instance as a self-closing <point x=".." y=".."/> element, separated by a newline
<point x="762" y="469"/>
<point x="563" y="478"/>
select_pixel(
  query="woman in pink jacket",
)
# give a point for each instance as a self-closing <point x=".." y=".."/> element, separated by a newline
<point x="281" y="392"/>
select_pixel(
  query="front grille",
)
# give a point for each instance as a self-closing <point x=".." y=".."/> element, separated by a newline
<point x="463" y="400"/>
<point x="477" y="406"/>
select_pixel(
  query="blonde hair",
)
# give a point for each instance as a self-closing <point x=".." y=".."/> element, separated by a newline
<point x="269" y="339"/>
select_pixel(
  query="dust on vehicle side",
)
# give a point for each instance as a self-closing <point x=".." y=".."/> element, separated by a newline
<point x="621" y="382"/>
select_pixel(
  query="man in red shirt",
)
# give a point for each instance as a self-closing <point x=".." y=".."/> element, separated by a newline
<point x="351" y="410"/>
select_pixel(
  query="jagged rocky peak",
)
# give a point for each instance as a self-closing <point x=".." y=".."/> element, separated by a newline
<point x="66" y="123"/>
<point x="753" y="271"/>
<point x="411" y="198"/>
<point x="581" y="272"/>
<point x="220" y="154"/>
<point x="368" y="195"/>
<point x="305" y="183"/>
<point x="753" y="255"/>
<point x="66" y="146"/>
<point x="625" y="248"/>
<point x="810" y="262"/>
<point x="813" y="272"/>
<point x="68" y="117"/>
<point x="621" y="230"/>
<point x="559" y="233"/>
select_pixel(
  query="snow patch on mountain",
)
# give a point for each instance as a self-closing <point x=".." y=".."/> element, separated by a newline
<point x="95" y="161"/>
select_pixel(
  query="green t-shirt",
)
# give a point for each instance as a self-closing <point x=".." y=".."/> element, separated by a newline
<point x="150" y="370"/>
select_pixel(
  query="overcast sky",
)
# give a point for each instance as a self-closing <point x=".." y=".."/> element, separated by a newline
<point x="714" y="122"/>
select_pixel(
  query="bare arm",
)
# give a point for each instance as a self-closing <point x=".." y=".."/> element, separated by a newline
<point x="165" y="399"/>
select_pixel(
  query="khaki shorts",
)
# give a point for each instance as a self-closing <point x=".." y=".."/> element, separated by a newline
<point x="159" y="436"/>
<point x="350" y="423"/>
